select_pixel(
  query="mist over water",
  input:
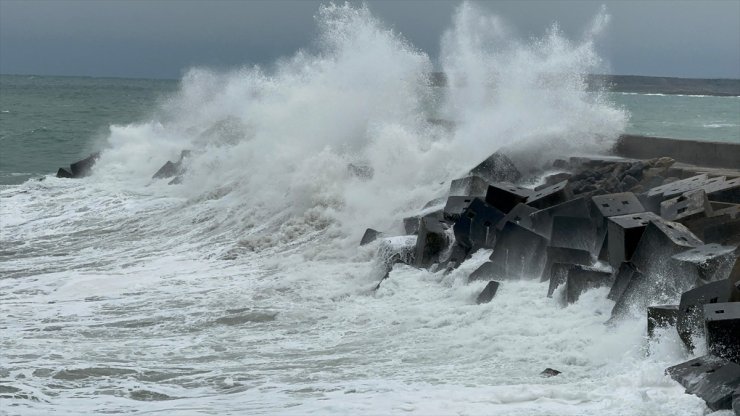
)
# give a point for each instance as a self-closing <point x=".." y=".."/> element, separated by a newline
<point x="243" y="290"/>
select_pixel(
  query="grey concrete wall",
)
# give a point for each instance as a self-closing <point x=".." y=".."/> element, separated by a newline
<point x="700" y="153"/>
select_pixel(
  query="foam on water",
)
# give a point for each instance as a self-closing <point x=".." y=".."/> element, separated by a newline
<point x="243" y="289"/>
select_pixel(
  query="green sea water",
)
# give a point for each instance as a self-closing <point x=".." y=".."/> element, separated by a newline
<point x="48" y="122"/>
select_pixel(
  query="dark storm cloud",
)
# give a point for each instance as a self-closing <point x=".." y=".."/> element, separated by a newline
<point x="163" y="38"/>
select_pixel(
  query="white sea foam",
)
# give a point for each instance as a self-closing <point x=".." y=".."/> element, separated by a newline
<point x="243" y="289"/>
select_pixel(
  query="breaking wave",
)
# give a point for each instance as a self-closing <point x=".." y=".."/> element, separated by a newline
<point x="276" y="142"/>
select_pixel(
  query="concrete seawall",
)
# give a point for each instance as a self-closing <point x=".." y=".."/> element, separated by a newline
<point x="700" y="153"/>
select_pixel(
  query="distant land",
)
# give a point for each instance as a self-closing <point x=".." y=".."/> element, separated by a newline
<point x="617" y="83"/>
<point x="651" y="85"/>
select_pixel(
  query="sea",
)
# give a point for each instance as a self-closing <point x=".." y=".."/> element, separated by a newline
<point x="243" y="289"/>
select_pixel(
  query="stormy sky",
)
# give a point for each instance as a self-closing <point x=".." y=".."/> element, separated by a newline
<point x="161" y="39"/>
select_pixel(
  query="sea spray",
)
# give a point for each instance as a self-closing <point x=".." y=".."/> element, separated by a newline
<point x="529" y="96"/>
<point x="275" y="142"/>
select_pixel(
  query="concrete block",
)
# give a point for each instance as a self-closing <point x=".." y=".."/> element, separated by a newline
<point x="661" y="316"/>
<point x="431" y="242"/>
<point x="722" y="227"/>
<point x="411" y="225"/>
<point x="662" y="279"/>
<point x="83" y="167"/>
<point x="469" y="186"/>
<point x="719" y="206"/>
<point x="603" y="255"/>
<point x="553" y="179"/>
<point x="551" y="195"/>
<point x="486" y="271"/>
<point x="711" y="378"/>
<point x="625" y="274"/>
<point x="690" y="321"/>
<point x="709" y="262"/>
<point x="611" y="205"/>
<point x="168" y="170"/>
<point x="564" y="255"/>
<point x="370" y="236"/>
<point x="520" y="215"/>
<point x="723" y="190"/>
<point x="542" y="219"/>
<point x="549" y="372"/>
<point x="581" y="278"/>
<point x="558" y="276"/>
<point x="505" y="196"/>
<point x="454" y="257"/>
<point x="475" y="229"/>
<point x="722" y="329"/>
<point x="679" y="187"/>
<point x="624" y="234"/>
<point x="455" y="207"/>
<point x="734" y="279"/>
<point x="519" y="252"/>
<point x="692" y="204"/>
<point x="64" y="173"/>
<point x="574" y="232"/>
<point x="488" y="292"/>
<point x="497" y="168"/>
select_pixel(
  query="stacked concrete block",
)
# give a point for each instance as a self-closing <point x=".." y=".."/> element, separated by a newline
<point x="469" y="186"/>
<point x="505" y="196"/>
<point x="497" y="168"/>
<point x="488" y="292"/>
<point x="574" y="232"/>
<point x="370" y="236"/>
<point x="455" y="206"/>
<point x="581" y="278"/>
<point x="708" y="262"/>
<point x="722" y="330"/>
<point x="431" y="241"/>
<point x="687" y="206"/>
<point x="690" y="321"/>
<point x="476" y="227"/>
<point x="661" y="316"/>
<point x="79" y="169"/>
<point x="519" y="252"/>
<point x="624" y="234"/>
<point x="662" y="279"/>
<point x="558" y="276"/>
<point x="722" y="226"/>
<point x="626" y="273"/>
<point x="551" y="195"/>
<point x="564" y="255"/>
<point x="542" y="219"/>
<point x="521" y="215"/>
<point x="711" y="378"/>
<point x="612" y="205"/>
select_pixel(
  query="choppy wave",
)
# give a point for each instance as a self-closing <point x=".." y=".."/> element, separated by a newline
<point x="243" y="289"/>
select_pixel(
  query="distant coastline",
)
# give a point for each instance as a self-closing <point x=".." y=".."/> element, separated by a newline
<point x="651" y="85"/>
<point x="720" y="87"/>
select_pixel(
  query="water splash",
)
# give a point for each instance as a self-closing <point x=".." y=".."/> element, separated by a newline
<point x="274" y="143"/>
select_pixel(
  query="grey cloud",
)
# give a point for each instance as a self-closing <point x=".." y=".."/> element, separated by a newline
<point x="163" y="38"/>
